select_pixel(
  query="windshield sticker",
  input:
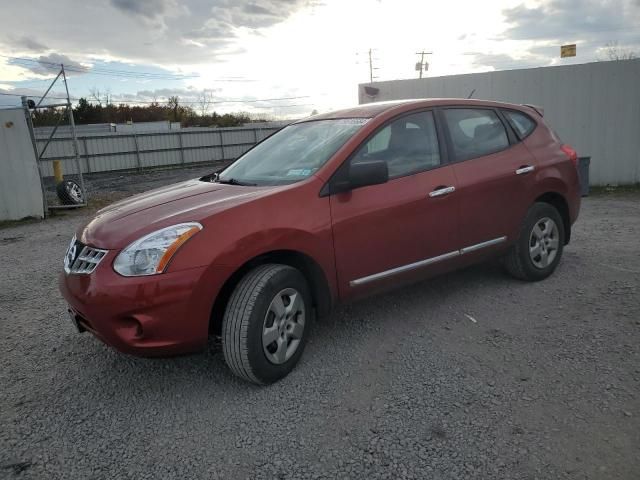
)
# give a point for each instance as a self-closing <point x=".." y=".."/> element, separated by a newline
<point x="351" y="121"/>
<point x="299" y="172"/>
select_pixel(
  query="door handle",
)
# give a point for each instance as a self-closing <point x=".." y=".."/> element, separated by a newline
<point x="440" y="191"/>
<point x="525" y="169"/>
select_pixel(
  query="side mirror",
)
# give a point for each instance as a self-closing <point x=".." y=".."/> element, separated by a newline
<point x="362" y="174"/>
<point x="356" y="175"/>
<point x="371" y="172"/>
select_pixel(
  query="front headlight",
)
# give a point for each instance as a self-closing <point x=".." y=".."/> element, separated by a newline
<point x="151" y="254"/>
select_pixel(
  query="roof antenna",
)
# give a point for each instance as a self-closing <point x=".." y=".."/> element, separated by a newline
<point x="471" y="94"/>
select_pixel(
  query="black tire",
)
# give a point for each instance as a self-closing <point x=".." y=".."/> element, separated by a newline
<point x="518" y="261"/>
<point x="244" y="320"/>
<point x="70" y="193"/>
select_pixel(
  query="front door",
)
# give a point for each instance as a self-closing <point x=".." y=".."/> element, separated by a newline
<point x="397" y="231"/>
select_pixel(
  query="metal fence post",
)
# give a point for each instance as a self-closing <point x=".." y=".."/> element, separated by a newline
<point x="255" y="136"/>
<point x="221" y="144"/>
<point x="181" y="147"/>
<point x="135" y="140"/>
<point x="74" y="137"/>
<point x="32" y="134"/>
<point x="86" y="154"/>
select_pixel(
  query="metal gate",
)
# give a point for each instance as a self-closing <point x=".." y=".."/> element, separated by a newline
<point x="70" y="194"/>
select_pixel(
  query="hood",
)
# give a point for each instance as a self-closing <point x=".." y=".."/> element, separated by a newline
<point x="119" y="224"/>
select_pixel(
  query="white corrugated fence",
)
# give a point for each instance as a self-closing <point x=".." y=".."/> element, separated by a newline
<point x="117" y="151"/>
<point x="595" y="107"/>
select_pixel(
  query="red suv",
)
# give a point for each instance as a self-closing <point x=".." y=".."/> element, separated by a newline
<point x="328" y="209"/>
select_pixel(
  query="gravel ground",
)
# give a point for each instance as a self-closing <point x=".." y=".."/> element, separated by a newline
<point x="470" y="375"/>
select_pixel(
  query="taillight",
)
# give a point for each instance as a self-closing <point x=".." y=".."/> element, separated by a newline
<point x="571" y="153"/>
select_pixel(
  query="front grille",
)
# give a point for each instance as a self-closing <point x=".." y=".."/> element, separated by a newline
<point x="84" y="262"/>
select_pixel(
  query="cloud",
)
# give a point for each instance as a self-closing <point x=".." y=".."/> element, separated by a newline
<point x="159" y="32"/>
<point x="47" y="64"/>
<point x="162" y="94"/>
<point x="28" y="43"/>
<point x="589" y="23"/>
<point x="254" y="9"/>
<point x="212" y="31"/>
<point x="257" y="13"/>
<point x="144" y="8"/>
<point x="540" y="31"/>
<point x="503" y="61"/>
<point x="14" y="94"/>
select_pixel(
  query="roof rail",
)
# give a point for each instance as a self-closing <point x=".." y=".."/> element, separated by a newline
<point x="538" y="109"/>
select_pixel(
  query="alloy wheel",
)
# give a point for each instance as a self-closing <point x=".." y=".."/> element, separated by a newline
<point x="283" y="326"/>
<point x="544" y="242"/>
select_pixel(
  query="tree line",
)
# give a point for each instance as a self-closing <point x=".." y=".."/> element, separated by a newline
<point x="86" y="112"/>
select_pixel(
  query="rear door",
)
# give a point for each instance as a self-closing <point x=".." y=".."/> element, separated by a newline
<point x="494" y="174"/>
<point x="395" y="232"/>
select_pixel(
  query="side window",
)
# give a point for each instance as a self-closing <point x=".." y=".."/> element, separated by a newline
<point x="475" y="132"/>
<point x="408" y="145"/>
<point x="380" y="142"/>
<point x="521" y="122"/>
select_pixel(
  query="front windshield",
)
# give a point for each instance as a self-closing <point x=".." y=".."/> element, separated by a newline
<point x="292" y="154"/>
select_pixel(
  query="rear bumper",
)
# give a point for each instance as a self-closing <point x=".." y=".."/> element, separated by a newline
<point x="158" y="315"/>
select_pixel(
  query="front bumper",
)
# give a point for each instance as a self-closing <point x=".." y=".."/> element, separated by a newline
<point x="156" y="315"/>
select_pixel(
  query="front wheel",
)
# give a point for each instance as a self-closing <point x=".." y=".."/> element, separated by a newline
<point x="265" y="324"/>
<point x="538" y="250"/>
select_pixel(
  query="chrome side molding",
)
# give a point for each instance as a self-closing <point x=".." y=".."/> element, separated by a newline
<point x="424" y="263"/>
<point x="403" y="268"/>
<point x="478" y="246"/>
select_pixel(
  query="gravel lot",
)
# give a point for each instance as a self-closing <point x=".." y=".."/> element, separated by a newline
<point x="470" y="375"/>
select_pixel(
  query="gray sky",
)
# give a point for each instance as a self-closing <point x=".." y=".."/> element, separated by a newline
<point x="270" y="49"/>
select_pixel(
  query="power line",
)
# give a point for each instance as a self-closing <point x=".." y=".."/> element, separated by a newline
<point x="257" y="100"/>
<point x="286" y="106"/>
<point x="103" y="71"/>
<point x="119" y="73"/>
<point x="261" y="107"/>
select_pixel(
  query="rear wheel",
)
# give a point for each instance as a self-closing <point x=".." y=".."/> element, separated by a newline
<point x="265" y="325"/>
<point x="538" y="250"/>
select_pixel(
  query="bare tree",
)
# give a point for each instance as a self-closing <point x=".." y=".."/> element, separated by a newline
<point x="205" y="100"/>
<point x="95" y="94"/>
<point x="99" y="96"/>
<point x="614" y="51"/>
<point x="174" y="104"/>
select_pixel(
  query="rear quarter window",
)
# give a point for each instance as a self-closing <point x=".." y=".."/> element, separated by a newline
<point x="522" y="123"/>
<point x="475" y="132"/>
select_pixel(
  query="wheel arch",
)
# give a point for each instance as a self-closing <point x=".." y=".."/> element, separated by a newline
<point x="322" y="296"/>
<point x="560" y="203"/>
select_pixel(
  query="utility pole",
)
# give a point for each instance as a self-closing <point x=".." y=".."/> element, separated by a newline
<point x="420" y="66"/>
<point x="370" y="68"/>
<point x="370" y="59"/>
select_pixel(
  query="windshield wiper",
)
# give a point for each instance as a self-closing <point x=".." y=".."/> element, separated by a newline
<point x="233" y="181"/>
